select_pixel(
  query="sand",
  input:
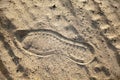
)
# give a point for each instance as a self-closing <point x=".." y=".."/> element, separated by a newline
<point x="59" y="40"/>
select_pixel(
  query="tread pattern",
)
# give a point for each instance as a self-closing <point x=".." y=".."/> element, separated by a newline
<point x="59" y="40"/>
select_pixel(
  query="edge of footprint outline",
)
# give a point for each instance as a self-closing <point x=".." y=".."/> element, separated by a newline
<point x="78" y="61"/>
<point x="58" y="36"/>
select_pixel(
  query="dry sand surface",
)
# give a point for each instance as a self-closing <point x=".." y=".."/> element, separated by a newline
<point x="59" y="39"/>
